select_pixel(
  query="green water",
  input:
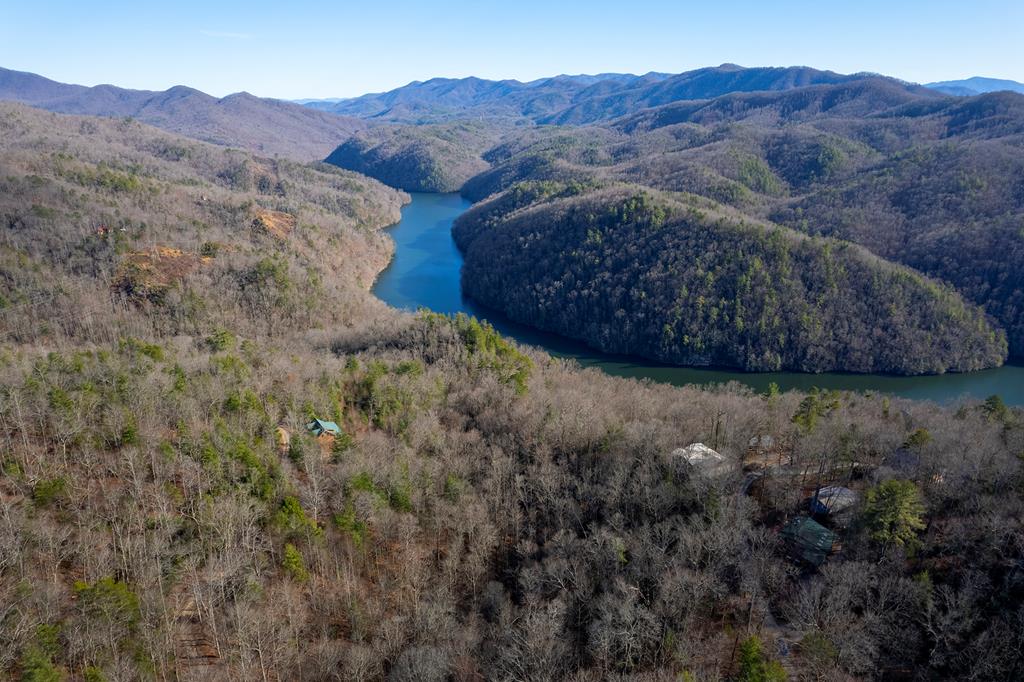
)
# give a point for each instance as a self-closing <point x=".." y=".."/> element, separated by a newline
<point x="425" y="273"/>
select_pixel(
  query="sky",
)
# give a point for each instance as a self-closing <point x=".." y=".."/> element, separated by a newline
<point x="297" y="49"/>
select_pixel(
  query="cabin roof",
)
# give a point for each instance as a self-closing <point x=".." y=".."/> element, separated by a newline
<point x="321" y="425"/>
<point x="703" y="459"/>
<point x="832" y="499"/>
<point x="698" y="453"/>
<point x="808" y="540"/>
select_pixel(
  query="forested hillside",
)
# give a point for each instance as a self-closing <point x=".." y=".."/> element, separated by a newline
<point x="436" y="158"/>
<point x="175" y="313"/>
<point x="632" y="272"/>
<point x="117" y="214"/>
<point x="921" y="180"/>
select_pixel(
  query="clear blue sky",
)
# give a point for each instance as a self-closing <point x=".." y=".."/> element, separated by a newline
<point x="336" y="49"/>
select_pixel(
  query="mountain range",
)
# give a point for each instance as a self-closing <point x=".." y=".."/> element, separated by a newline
<point x="308" y="129"/>
<point x="265" y="126"/>
<point x="568" y="99"/>
<point x="976" y="86"/>
<point x="924" y="181"/>
<point x="927" y="183"/>
<point x="586" y="98"/>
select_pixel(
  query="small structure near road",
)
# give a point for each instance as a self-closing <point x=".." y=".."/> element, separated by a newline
<point x="807" y="541"/>
<point x="703" y="459"/>
<point x="832" y="500"/>
<point x="764" y="451"/>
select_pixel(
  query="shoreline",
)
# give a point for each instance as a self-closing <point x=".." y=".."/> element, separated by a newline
<point x="945" y="388"/>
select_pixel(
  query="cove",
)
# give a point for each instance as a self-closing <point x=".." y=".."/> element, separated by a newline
<point x="425" y="273"/>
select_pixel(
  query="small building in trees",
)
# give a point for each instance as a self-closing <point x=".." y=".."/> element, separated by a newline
<point x="807" y="541"/>
<point x="703" y="459"/>
<point x="320" y="427"/>
<point x="763" y="443"/>
<point x="832" y="500"/>
<point x="764" y="451"/>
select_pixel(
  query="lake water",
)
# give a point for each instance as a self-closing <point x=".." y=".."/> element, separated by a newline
<point x="425" y="273"/>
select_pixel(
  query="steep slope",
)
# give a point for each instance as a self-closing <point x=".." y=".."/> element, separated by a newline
<point x="631" y="272"/>
<point x="108" y="220"/>
<point x="266" y="126"/>
<point x="928" y="181"/>
<point x="435" y="158"/>
<point x="953" y="212"/>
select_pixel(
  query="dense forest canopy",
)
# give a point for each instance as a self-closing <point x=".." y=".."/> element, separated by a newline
<point x="634" y="272"/>
<point x="436" y="158"/>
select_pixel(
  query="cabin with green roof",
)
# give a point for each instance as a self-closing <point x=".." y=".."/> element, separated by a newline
<point x="319" y="427"/>
<point x="808" y="541"/>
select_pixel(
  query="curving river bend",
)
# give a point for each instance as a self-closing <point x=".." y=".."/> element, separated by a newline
<point x="426" y="269"/>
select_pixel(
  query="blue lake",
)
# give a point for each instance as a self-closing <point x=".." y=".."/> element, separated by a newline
<point x="426" y="273"/>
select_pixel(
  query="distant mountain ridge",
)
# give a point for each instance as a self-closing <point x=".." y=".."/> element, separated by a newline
<point x="451" y="93"/>
<point x="268" y="126"/>
<point x="577" y="99"/>
<point x="976" y="85"/>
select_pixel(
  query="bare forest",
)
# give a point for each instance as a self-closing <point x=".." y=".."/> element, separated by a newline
<point x="173" y="316"/>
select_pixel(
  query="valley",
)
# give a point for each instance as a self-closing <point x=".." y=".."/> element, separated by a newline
<point x="251" y="428"/>
<point x="862" y="190"/>
<point x="425" y="272"/>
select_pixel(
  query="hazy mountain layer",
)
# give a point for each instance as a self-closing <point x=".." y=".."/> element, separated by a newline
<point x="976" y="85"/>
<point x="568" y="99"/>
<point x="266" y="126"/>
